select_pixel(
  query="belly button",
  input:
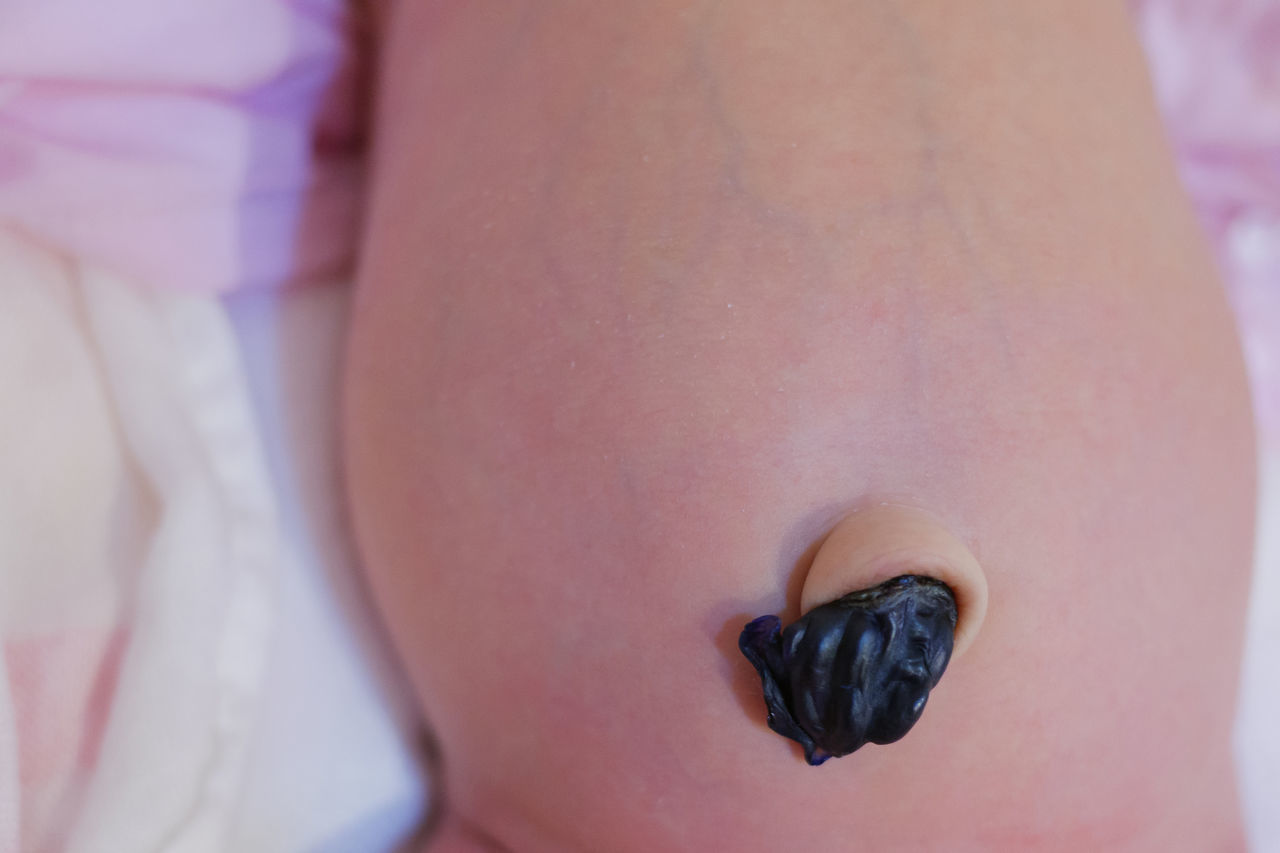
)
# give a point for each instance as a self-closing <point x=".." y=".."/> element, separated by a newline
<point x="891" y="596"/>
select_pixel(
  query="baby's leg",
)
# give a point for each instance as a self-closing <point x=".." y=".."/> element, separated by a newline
<point x="655" y="292"/>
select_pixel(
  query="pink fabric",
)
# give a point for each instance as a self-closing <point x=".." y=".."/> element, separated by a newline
<point x="62" y="684"/>
<point x="153" y="154"/>
<point x="1216" y="68"/>
<point x="202" y="145"/>
<point x="208" y="145"/>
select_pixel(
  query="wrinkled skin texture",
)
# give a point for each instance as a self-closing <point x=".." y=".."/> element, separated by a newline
<point x="856" y="670"/>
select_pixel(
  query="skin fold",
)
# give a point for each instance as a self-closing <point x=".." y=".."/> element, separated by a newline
<point x="654" y="293"/>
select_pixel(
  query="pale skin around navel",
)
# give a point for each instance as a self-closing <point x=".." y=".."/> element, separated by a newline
<point x="655" y="294"/>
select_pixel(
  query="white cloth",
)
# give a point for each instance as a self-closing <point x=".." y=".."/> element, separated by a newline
<point x="1257" y="733"/>
<point x="174" y="680"/>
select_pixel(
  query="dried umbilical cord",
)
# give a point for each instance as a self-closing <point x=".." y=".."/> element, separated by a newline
<point x="855" y="670"/>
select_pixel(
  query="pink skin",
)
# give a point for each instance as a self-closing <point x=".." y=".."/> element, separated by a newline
<point x="654" y="293"/>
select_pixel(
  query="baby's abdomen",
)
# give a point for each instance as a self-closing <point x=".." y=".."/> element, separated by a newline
<point x="595" y="426"/>
<point x="567" y="523"/>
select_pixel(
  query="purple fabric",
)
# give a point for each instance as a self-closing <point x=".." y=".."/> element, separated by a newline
<point x="200" y="145"/>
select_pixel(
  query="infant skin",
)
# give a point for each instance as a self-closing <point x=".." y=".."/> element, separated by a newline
<point x="654" y="294"/>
